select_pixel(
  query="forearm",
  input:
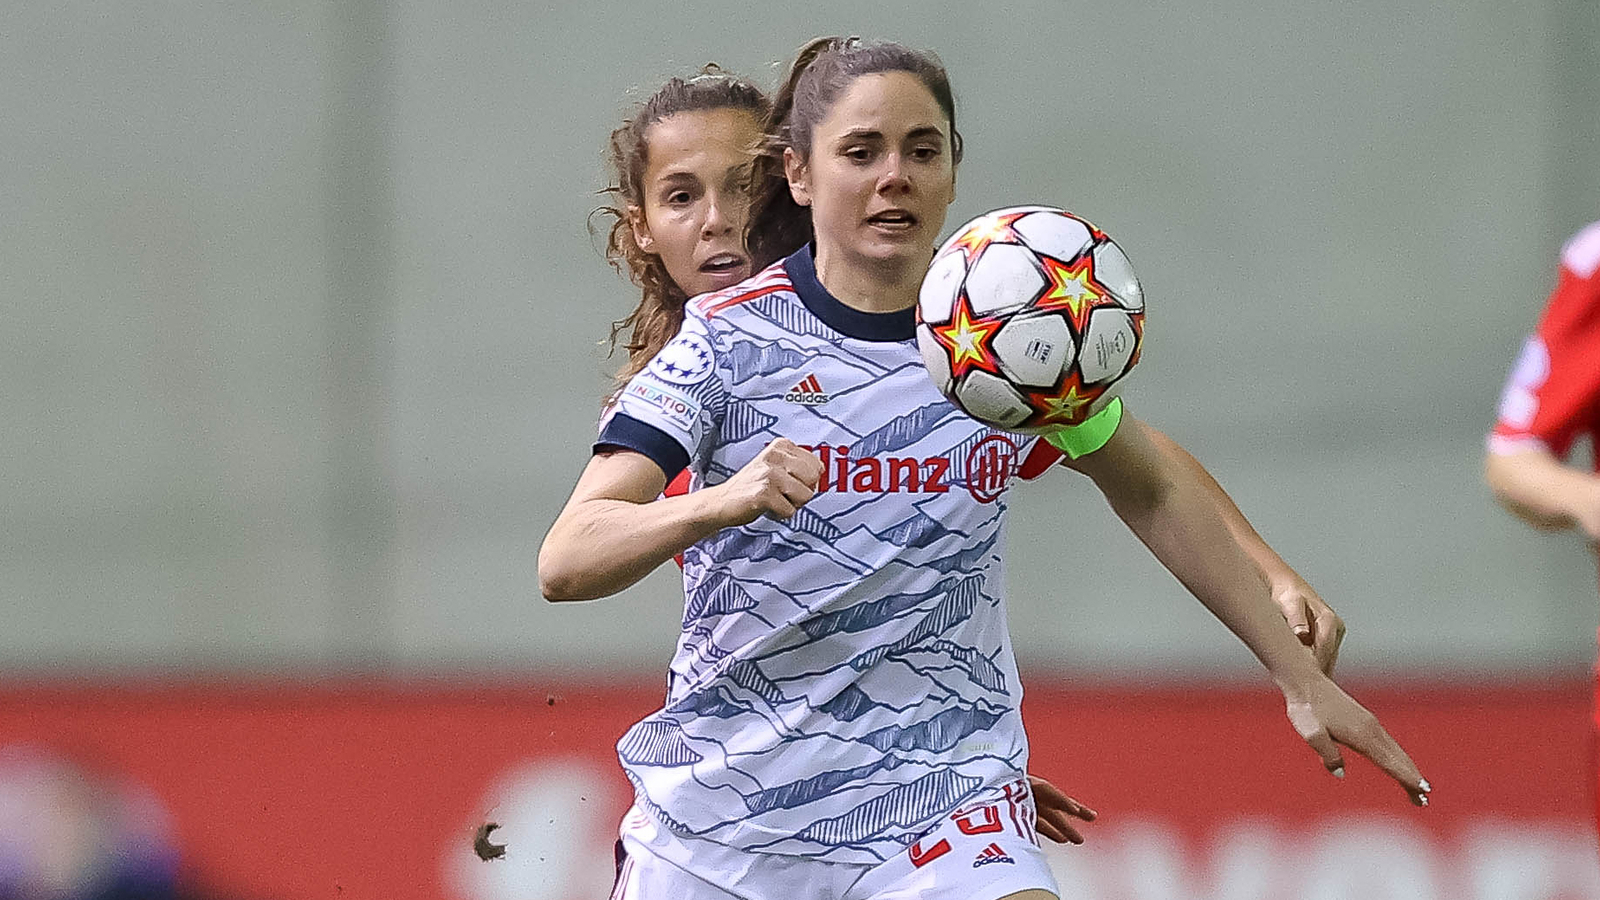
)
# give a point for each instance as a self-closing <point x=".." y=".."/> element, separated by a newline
<point x="600" y="546"/>
<point x="1172" y="513"/>
<point x="1540" y="489"/>
<point x="1266" y="559"/>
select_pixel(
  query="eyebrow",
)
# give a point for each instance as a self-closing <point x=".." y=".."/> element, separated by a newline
<point x="677" y="177"/>
<point x="921" y="131"/>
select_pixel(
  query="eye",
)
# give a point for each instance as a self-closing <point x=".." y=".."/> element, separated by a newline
<point x="926" y="152"/>
<point x="858" y="154"/>
<point x="678" y="198"/>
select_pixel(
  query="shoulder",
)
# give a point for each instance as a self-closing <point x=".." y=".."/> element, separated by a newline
<point x="1581" y="255"/>
<point x="1574" y="305"/>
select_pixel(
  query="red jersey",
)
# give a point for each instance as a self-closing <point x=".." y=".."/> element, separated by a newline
<point x="1553" y="394"/>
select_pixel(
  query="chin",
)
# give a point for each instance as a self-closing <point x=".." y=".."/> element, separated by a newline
<point x="898" y="253"/>
<point x="704" y="284"/>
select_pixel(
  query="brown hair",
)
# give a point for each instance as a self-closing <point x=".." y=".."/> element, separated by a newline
<point x="659" y="314"/>
<point x="822" y="70"/>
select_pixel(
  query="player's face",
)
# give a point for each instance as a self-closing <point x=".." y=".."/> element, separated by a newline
<point x="881" y="174"/>
<point x="693" y="208"/>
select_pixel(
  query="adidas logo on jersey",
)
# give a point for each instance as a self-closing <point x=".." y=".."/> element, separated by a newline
<point x="992" y="854"/>
<point x="808" y="392"/>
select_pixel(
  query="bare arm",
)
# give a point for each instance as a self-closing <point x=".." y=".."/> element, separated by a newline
<point x="616" y="528"/>
<point x="1310" y="617"/>
<point x="1546" y="493"/>
<point x="1168" y="509"/>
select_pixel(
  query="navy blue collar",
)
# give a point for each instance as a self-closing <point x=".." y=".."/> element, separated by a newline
<point x="866" y="326"/>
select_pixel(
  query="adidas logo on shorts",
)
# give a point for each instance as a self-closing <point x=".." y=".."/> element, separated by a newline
<point x="808" y="392"/>
<point x="992" y="854"/>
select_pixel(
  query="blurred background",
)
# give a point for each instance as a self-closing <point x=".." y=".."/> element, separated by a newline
<point x="299" y="317"/>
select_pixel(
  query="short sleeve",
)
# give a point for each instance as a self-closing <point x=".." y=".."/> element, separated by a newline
<point x="1553" y="392"/>
<point x="668" y="410"/>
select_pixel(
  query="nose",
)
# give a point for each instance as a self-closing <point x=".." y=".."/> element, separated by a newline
<point x="719" y="219"/>
<point x="893" y="179"/>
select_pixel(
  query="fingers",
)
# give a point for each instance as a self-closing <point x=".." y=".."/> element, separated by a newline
<point x="795" y="489"/>
<point x="786" y="477"/>
<point x="1361" y="732"/>
<point x="1049" y="828"/>
<point x="1298" y="618"/>
<point x="1055" y="811"/>
<point x="1329" y="634"/>
<point x="1314" y="733"/>
<point x="1375" y="744"/>
<point x="1059" y="830"/>
<point x="1054" y="821"/>
<point x="1328" y="749"/>
<point x="1313" y="622"/>
<point x="797" y="461"/>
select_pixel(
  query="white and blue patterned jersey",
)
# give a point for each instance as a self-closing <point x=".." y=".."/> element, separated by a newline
<point x="844" y="678"/>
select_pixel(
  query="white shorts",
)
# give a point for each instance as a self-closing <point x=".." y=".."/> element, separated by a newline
<point x="985" y="850"/>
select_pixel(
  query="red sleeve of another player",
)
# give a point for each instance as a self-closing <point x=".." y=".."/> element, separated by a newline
<point x="1040" y="457"/>
<point x="1553" y="394"/>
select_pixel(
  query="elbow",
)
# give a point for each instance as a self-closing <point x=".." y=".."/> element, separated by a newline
<point x="557" y="588"/>
<point x="558" y="582"/>
<point x="1498" y="481"/>
<point x="561" y="588"/>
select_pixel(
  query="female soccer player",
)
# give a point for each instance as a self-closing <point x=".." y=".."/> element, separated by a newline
<point x="680" y="165"/>
<point x="844" y="686"/>
<point x="1551" y="398"/>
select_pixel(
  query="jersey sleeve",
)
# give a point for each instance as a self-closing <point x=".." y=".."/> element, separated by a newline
<point x="670" y="410"/>
<point x="1553" y="392"/>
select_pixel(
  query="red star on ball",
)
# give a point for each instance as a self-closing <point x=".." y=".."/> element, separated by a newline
<point x="986" y="231"/>
<point x="967" y="340"/>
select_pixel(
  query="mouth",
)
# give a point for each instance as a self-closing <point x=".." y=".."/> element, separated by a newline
<point x="893" y="220"/>
<point x="722" y="264"/>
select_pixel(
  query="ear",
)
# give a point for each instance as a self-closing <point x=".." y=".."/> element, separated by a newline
<point x="641" y="230"/>
<point x="797" y="172"/>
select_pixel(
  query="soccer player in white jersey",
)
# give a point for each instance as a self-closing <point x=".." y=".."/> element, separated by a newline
<point x="842" y="719"/>
<point x="679" y="164"/>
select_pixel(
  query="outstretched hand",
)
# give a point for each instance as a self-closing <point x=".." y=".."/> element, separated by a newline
<point x="1055" y="812"/>
<point x="1328" y="718"/>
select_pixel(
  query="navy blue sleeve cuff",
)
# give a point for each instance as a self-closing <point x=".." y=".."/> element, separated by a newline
<point x="627" y="433"/>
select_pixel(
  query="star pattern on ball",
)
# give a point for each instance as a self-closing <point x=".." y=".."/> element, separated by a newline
<point x="1068" y="406"/>
<point x="968" y="340"/>
<point x="1072" y="288"/>
<point x="986" y="231"/>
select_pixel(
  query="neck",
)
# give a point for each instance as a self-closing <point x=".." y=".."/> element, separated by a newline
<point x="869" y="286"/>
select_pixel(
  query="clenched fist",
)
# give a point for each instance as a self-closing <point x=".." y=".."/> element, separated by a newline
<point x="782" y="478"/>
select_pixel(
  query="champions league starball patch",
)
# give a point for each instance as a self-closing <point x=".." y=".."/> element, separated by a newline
<point x="686" y="359"/>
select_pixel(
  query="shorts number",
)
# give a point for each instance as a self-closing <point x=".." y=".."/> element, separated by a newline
<point x="989" y="825"/>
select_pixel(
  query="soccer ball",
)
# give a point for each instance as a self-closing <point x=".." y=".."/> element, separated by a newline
<point x="1029" y="318"/>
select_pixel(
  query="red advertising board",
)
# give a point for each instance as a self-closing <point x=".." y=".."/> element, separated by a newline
<point x="372" y="791"/>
